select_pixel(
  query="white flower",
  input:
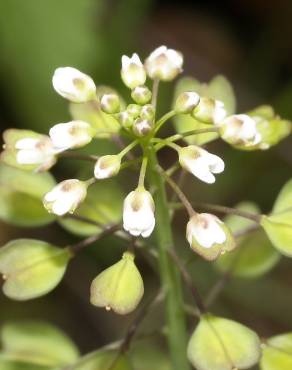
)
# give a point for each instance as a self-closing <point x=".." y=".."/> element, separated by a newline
<point x="186" y="102"/>
<point x="74" y="85"/>
<point x="133" y="72"/>
<point x="138" y="213"/>
<point x="73" y="134"/>
<point x="205" y="230"/>
<point x="200" y="163"/>
<point x="210" y="111"/>
<point x="164" y="64"/>
<point x="35" y="151"/>
<point x="65" y="197"/>
<point x="240" y="129"/>
<point x="107" y="166"/>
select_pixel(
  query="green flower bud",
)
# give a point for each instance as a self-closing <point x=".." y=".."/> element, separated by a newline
<point x="186" y="102"/>
<point x="119" y="287"/>
<point x="209" y="111"/>
<point x="142" y="127"/>
<point x="107" y="166"/>
<point x="110" y="103"/>
<point x="141" y="95"/>
<point x="126" y="119"/>
<point x="134" y="110"/>
<point x="31" y="268"/>
<point x="222" y="344"/>
<point x="147" y="112"/>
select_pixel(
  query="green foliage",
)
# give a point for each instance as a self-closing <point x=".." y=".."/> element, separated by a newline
<point x="21" y="196"/>
<point x="103" y="204"/>
<point x="254" y="255"/>
<point x="101" y="360"/>
<point x="218" y="88"/>
<point x="37" y="343"/>
<point x="277" y="353"/>
<point x="120" y="287"/>
<point x="31" y="268"/>
<point x="221" y="344"/>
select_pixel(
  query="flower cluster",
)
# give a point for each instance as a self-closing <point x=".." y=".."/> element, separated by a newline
<point x="33" y="151"/>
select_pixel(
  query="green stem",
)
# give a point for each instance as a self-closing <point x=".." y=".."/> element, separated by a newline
<point x="163" y="119"/>
<point x="128" y="148"/>
<point x="170" y="276"/>
<point x="143" y="172"/>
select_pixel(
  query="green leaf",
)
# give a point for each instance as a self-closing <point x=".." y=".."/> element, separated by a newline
<point x="31" y="268"/>
<point x="101" y="360"/>
<point x="103" y="204"/>
<point x="7" y="364"/>
<point x="277" y="353"/>
<point x="254" y="254"/>
<point x="221" y="344"/>
<point x="21" y="196"/>
<point x="284" y="199"/>
<point x="37" y="343"/>
<point x="278" y="227"/>
<point x="218" y="88"/>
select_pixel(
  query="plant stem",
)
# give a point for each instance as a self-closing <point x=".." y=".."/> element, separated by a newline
<point x="170" y="277"/>
<point x="128" y="148"/>
<point x="143" y="172"/>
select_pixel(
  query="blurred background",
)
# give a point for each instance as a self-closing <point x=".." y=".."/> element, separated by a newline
<point x="248" y="41"/>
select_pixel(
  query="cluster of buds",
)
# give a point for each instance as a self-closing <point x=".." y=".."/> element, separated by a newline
<point x="206" y="234"/>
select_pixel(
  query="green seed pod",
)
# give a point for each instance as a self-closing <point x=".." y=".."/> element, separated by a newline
<point x="277" y="353"/>
<point x="141" y="95"/>
<point x="119" y="287"/>
<point x="31" y="268"/>
<point x="221" y="344"/>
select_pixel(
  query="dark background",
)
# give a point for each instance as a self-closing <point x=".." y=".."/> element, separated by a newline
<point x="249" y="41"/>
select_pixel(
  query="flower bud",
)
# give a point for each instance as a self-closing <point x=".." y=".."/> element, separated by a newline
<point x="133" y="72"/>
<point x="134" y="110"/>
<point x="141" y="95"/>
<point x="164" y="64"/>
<point x="110" y="103"/>
<point x="119" y="287"/>
<point x="240" y="130"/>
<point x="186" y="102"/>
<point x="138" y="213"/>
<point x="208" y="236"/>
<point x="107" y="166"/>
<point x="200" y="163"/>
<point x="74" y="85"/>
<point x="142" y="127"/>
<point x="209" y="111"/>
<point x="147" y="112"/>
<point x="28" y="150"/>
<point x="65" y="197"/>
<point x="126" y="119"/>
<point x="70" y="135"/>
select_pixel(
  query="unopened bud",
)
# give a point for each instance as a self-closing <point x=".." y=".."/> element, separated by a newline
<point x="110" y="103"/>
<point x="142" y="127"/>
<point x="107" y="166"/>
<point x="147" y="112"/>
<point x="126" y="119"/>
<point x="164" y="64"/>
<point x="186" y="102"/>
<point x="209" y="111"/>
<point x="134" y="110"/>
<point x="133" y="73"/>
<point x="141" y="95"/>
<point x="119" y="287"/>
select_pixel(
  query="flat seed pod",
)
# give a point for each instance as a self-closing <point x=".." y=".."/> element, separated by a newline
<point x="221" y="344"/>
<point x="31" y="268"/>
<point x="119" y="287"/>
<point x="277" y="353"/>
